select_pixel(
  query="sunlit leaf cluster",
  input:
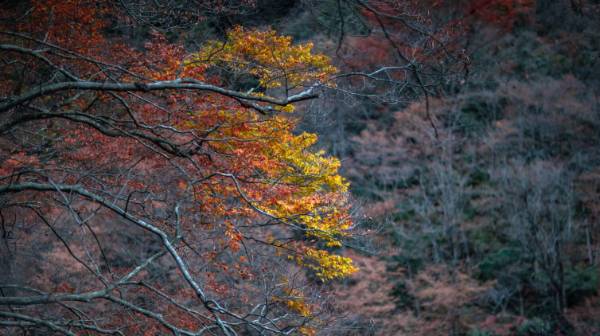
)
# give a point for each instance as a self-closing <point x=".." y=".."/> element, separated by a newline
<point x="272" y="58"/>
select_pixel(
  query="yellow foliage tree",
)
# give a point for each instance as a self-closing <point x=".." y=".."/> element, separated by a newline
<point x="269" y="56"/>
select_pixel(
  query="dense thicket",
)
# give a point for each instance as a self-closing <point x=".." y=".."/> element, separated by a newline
<point x="486" y="193"/>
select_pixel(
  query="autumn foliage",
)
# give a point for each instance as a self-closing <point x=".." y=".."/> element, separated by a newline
<point x="148" y="192"/>
<point x="299" y="167"/>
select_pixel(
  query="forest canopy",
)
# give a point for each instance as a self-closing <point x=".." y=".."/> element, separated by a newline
<point x="299" y="167"/>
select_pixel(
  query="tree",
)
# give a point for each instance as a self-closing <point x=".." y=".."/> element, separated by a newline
<point x="139" y="194"/>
